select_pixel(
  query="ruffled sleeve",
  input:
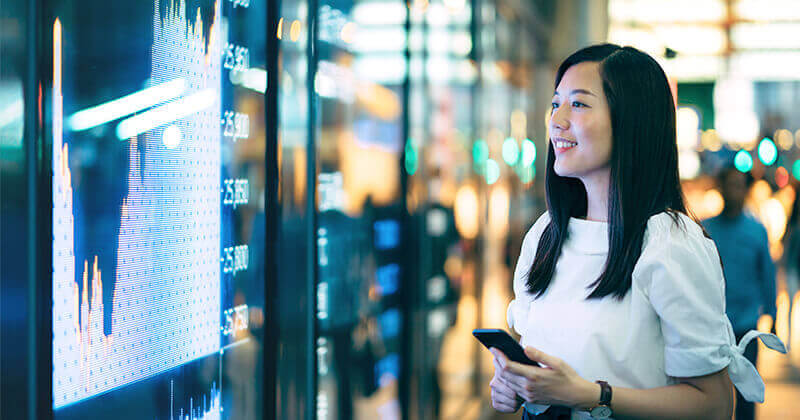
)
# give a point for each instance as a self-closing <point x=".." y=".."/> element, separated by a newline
<point x="680" y="272"/>
<point x="518" y="308"/>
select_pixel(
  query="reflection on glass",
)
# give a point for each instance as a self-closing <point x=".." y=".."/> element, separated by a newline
<point x="358" y="86"/>
<point x="293" y="398"/>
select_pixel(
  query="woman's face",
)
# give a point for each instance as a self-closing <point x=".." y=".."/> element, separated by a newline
<point x="580" y="123"/>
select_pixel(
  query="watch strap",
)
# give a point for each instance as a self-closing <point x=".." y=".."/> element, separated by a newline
<point x="605" y="393"/>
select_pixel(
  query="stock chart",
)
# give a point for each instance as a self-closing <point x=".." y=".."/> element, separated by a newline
<point x="152" y="284"/>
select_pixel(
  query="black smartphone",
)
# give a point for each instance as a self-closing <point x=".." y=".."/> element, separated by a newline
<point x="499" y="339"/>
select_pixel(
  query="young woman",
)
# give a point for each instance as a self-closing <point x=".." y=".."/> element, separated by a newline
<point x="618" y="293"/>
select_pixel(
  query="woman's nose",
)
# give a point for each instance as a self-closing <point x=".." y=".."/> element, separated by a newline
<point x="559" y="120"/>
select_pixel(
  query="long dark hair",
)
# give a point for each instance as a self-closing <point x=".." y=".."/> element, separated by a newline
<point x="644" y="169"/>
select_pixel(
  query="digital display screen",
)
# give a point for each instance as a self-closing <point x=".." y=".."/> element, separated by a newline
<point x="158" y="208"/>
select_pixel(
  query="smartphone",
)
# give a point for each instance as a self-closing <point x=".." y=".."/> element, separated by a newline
<point x="499" y="339"/>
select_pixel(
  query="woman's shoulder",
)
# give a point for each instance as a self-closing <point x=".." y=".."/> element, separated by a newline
<point x="673" y="235"/>
<point x="531" y="240"/>
<point x="672" y="227"/>
<point x="675" y="242"/>
<point x="535" y="231"/>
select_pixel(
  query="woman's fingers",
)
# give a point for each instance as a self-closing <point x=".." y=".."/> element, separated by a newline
<point x="502" y="402"/>
<point x="503" y="397"/>
<point x="515" y="384"/>
<point x="501" y="385"/>
<point x="504" y="408"/>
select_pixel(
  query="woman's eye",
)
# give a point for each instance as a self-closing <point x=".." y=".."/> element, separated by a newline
<point x="554" y="105"/>
<point x="578" y="104"/>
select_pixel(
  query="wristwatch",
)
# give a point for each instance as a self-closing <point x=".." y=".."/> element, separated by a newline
<point x="603" y="409"/>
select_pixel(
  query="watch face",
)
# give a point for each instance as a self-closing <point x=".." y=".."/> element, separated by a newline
<point x="601" y="412"/>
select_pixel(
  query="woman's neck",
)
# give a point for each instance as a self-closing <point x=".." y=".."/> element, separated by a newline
<point x="596" y="186"/>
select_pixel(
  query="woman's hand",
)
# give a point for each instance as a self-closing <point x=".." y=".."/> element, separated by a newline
<point x="556" y="383"/>
<point x="504" y="399"/>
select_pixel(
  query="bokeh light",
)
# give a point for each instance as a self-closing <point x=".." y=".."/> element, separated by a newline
<point x="710" y="140"/>
<point x="510" y="151"/>
<point x="773" y="218"/>
<point x="492" y="171"/>
<point x="781" y="177"/>
<point x="411" y="160"/>
<point x="767" y="151"/>
<point x="784" y="138"/>
<point x="294" y="30"/>
<point x="526" y="174"/>
<point x="688" y="123"/>
<point x="466" y="210"/>
<point x="743" y="161"/>
<point x="528" y="152"/>
<point x="499" y="203"/>
<point x="688" y="164"/>
<point x="480" y="151"/>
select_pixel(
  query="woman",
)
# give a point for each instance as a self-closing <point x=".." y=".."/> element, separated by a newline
<point x="618" y="293"/>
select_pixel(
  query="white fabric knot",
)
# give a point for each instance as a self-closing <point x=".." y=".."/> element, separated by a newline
<point x="742" y="373"/>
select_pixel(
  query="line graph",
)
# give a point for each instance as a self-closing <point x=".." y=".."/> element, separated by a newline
<point x="207" y="409"/>
<point x="166" y="292"/>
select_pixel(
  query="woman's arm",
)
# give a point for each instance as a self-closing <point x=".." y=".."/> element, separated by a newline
<point x="704" y="397"/>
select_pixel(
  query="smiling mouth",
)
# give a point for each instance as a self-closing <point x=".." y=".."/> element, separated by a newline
<point x="560" y="143"/>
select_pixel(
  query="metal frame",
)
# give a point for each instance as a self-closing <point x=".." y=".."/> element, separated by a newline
<point x="39" y="179"/>
<point x="407" y="296"/>
<point x="312" y="56"/>
<point x="272" y="215"/>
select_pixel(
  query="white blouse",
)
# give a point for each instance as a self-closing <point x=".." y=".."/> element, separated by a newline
<point x="672" y="322"/>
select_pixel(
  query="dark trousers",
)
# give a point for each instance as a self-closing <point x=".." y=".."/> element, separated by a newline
<point x="746" y="410"/>
<point x="552" y="413"/>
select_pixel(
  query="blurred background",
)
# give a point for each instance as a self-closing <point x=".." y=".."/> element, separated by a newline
<point x="394" y="157"/>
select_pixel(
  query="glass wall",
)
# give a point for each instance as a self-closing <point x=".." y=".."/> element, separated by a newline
<point x="294" y="390"/>
<point x="19" y="346"/>
<point x="359" y="142"/>
<point x="470" y="161"/>
<point x="252" y="209"/>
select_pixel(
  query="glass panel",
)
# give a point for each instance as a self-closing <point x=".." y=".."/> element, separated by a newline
<point x="16" y="235"/>
<point x="157" y="129"/>
<point x="439" y="162"/>
<point x="468" y="193"/>
<point x="359" y="146"/>
<point x="295" y="346"/>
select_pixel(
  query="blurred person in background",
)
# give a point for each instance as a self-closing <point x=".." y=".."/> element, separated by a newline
<point x="441" y="288"/>
<point x="749" y="271"/>
<point x="791" y="254"/>
<point x="618" y="292"/>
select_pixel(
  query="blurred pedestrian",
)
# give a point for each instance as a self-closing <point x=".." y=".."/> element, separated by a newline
<point x="749" y="271"/>
<point x="618" y="292"/>
<point x="791" y="241"/>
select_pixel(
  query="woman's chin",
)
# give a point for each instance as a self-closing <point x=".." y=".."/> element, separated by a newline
<point x="564" y="173"/>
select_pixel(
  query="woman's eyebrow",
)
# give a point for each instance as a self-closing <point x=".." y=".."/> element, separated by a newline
<point x="574" y="91"/>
